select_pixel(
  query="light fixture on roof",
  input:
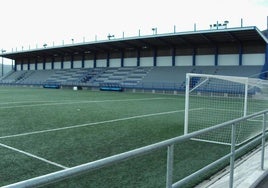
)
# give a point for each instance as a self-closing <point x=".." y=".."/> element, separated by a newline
<point x="109" y="36"/>
<point x="154" y="29"/>
<point x="225" y="23"/>
<point x="218" y="25"/>
<point x="45" y="45"/>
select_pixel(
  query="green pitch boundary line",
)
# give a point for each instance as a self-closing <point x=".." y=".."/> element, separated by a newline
<point x="96" y="123"/>
<point x="79" y="102"/>
<point x="33" y="156"/>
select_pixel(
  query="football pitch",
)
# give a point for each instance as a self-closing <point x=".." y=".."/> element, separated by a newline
<point x="47" y="130"/>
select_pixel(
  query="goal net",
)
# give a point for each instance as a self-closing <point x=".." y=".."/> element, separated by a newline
<point x="215" y="99"/>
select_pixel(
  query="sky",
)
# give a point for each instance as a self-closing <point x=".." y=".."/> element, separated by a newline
<point x="27" y="24"/>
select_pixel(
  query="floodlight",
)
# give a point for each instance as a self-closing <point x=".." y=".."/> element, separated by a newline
<point x="154" y="29"/>
<point x="109" y="36"/>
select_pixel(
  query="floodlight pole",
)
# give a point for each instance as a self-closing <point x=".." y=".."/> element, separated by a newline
<point x="3" y="51"/>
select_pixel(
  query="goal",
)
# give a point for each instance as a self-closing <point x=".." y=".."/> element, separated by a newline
<point x="214" y="99"/>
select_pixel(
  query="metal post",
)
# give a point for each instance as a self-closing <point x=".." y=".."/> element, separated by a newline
<point x="232" y="157"/>
<point x="2" y="72"/>
<point x="263" y="140"/>
<point x="246" y="98"/>
<point x="170" y="159"/>
<point x="3" y="51"/>
<point x="186" y="114"/>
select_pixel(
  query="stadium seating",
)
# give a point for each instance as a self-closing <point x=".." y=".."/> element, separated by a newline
<point x="155" y="78"/>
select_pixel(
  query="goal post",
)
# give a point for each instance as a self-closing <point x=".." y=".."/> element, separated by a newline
<point x="214" y="99"/>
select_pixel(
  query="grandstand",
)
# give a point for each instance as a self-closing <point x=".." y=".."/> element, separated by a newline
<point x="153" y="64"/>
<point x="150" y="62"/>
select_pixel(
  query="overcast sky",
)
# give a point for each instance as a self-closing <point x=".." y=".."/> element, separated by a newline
<point x="35" y="22"/>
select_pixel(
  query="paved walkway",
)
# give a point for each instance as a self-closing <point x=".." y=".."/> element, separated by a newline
<point x="263" y="183"/>
<point x="247" y="173"/>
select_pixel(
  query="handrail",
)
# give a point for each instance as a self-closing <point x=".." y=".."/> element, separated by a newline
<point x="73" y="171"/>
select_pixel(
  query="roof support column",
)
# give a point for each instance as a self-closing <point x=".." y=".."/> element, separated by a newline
<point x="216" y="56"/>
<point x="72" y="61"/>
<point x="44" y="63"/>
<point x="264" y="70"/>
<point x="138" y="57"/>
<point x="266" y="61"/>
<point x="83" y="60"/>
<point x="12" y="64"/>
<point x="173" y="56"/>
<point x="155" y="57"/>
<point x="21" y="65"/>
<point x="62" y="63"/>
<point x="95" y="60"/>
<point x="108" y="59"/>
<point x="240" y="55"/>
<point x="52" y="63"/>
<point x="28" y="64"/>
<point x="194" y="57"/>
<point x="35" y="64"/>
<point x="15" y="65"/>
<point x="122" y="58"/>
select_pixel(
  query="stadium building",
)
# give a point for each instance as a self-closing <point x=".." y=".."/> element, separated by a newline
<point x="156" y="62"/>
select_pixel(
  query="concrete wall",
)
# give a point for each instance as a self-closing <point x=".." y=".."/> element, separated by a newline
<point x="115" y="62"/>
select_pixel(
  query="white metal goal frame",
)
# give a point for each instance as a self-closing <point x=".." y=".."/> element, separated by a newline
<point x="210" y="93"/>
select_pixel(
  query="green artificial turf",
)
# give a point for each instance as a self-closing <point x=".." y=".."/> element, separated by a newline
<point x="100" y="124"/>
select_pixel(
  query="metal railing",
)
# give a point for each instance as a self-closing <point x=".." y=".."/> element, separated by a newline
<point x="169" y="144"/>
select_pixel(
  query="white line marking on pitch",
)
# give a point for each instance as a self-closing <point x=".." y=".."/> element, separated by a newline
<point x="79" y="102"/>
<point x="23" y="102"/>
<point x="29" y="101"/>
<point x="95" y="123"/>
<point x="33" y="156"/>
